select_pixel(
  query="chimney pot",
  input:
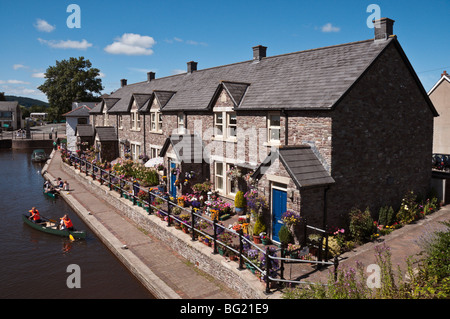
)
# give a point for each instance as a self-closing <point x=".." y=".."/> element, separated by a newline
<point x="384" y="28"/>
<point x="150" y="76"/>
<point x="259" y="52"/>
<point x="191" y="66"/>
<point x="444" y="74"/>
<point x="123" y="82"/>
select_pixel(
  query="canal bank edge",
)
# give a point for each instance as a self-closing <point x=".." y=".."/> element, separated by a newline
<point x="150" y="281"/>
<point x="241" y="281"/>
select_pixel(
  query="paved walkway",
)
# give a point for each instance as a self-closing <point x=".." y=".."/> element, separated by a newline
<point x="156" y="264"/>
<point x="175" y="277"/>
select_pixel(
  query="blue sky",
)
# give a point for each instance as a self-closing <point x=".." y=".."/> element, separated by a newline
<point x="126" y="39"/>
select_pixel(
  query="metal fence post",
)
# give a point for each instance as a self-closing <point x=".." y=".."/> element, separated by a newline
<point x="336" y="265"/>
<point x="267" y="270"/>
<point x="192" y="225"/>
<point x="241" y="249"/>
<point x="169" y="209"/>
<point x="215" y="236"/>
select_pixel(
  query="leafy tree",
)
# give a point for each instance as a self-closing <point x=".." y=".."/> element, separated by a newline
<point x="68" y="81"/>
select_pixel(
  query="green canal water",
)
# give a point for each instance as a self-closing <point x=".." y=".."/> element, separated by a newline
<point x="38" y="265"/>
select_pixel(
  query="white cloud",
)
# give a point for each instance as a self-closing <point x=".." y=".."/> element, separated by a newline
<point x="178" y="71"/>
<point x="13" y="82"/>
<point x="38" y="75"/>
<point x="43" y="26"/>
<point x="131" y="44"/>
<point x="330" y="28"/>
<point x="190" y="42"/>
<point x="68" y="44"/>
<point x="19" y="66"/>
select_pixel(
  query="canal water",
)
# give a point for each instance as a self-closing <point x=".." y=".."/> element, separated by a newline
<point x="34" y="264"/>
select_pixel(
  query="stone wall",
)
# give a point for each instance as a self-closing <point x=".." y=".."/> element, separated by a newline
<point x="242" y="281"/>
<point x="382" y="133"/>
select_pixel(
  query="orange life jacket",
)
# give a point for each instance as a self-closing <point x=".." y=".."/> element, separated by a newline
<point x="67" y="222"/>
<point x="35" y="214"/>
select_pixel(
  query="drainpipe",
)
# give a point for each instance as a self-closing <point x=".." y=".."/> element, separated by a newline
<point x="286" y="129"/>
<point x="145" y="148"/>
<point x="325" y="212"/>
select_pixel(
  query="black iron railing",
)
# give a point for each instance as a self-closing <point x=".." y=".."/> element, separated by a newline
<point x="160" y="203"/>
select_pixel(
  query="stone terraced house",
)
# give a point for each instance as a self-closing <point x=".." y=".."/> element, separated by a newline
<point x="322" y="130"/>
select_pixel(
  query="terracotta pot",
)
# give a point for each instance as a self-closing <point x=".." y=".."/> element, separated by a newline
<point x="256" y="239"/>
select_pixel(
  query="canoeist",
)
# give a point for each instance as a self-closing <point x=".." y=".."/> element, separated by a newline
<point x="59" y="183"/>
<point x="66" y="223"/>
<point x="34" y="215"/>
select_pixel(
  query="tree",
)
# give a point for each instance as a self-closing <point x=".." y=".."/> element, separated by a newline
<point x="69" y="81"/>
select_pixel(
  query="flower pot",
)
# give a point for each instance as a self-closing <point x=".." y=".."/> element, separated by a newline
<point x="257" y="239"/>
<point x="265" y="241"/>
<point x="239" y="210"/>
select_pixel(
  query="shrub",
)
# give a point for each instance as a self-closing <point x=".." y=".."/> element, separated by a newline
<point x="386" y="216"/>
<point x="285" y="235"/>
<point x="361" y="225"/>
<point x="259" y="227"/>
<point x="239" y="200"/>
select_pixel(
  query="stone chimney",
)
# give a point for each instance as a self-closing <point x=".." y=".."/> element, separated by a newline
<point x="259" y="52"/>
<point x="123" y="83"/>
<point x="191" y="66"/>
<point x="384" y="28"/>
<point x="444" y="74"/>
<point x="150" y="76"/>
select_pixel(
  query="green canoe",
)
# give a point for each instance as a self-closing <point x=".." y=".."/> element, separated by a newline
<point x="52" y="228"/>
<point x="51" y="194"/>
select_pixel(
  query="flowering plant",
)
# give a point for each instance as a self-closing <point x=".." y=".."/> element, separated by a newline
<point x="255" y="201"/>
<point x="234" y="173"/>
<point x="290" y="218"/>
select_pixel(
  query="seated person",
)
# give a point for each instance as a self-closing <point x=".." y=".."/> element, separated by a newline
<point x="66" y="223"/>
<point x="66" y="186"/>
<point x="34" y="215"/>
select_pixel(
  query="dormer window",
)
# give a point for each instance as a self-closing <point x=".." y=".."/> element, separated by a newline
<point x="135" y="120"/>
<point x="274" y="127"/>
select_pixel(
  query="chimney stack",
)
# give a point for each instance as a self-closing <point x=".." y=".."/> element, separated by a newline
<point x="384" y="28"/>
<point x="123" y="82"/>
<point x="259" y="52"/>
<point x="444" y="74"/>
<point x="191" y="66"/>
<point x="150" y="76"/>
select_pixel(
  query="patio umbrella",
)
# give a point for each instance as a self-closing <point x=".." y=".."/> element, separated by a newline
<point x="154" y="162"/>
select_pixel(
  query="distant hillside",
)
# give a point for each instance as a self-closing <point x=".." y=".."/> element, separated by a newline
<point x="25" y="101"/>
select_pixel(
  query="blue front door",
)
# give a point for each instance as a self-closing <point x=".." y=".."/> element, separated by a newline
<point x="279" y="200"/>
<point x="173" y="178"/>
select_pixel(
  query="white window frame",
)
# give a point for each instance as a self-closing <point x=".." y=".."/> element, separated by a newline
<point x="229" y="126"/>
<point x="135" y="119"/>
<point x="180" y="123"/>
<point x="271" y="127"/>
<point x="155" y="122"/>
<point x="133" y="148"/>
<point x="218" y="128"/>
<point x="221" y="176"/>
<point x="120" y="121"/>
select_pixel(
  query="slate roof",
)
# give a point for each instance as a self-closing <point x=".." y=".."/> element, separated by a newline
<point x="80" y="111"/>
<point x="9" y="105"/>
<point x="188" y="148"/>
<point x="302" y="165"/>
<point x="84" y="130"/>
<point x="106" y="133"/>
<point x="311" y="79"/>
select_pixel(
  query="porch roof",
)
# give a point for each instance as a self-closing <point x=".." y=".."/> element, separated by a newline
<point x="302" y="165"/>
<point x="84" y="130"/>
<point x="188" y="148"/>
<point x="106" y="133"/>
